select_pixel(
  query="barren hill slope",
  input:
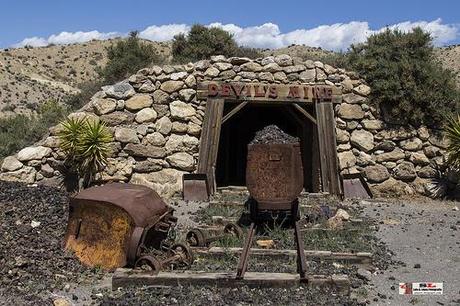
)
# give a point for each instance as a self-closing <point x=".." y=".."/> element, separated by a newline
<point x="30" y="76"/>
<point x="450" y="59"/>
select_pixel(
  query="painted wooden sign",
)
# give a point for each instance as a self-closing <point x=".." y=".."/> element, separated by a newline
<point x="268" y="92"/>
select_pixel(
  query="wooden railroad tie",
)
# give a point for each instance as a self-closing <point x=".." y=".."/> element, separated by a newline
<point x="129" y="278"/>
<point x="359" y="258"/>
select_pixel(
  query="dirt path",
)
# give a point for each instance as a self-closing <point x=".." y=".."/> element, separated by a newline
<point x="424" y="235"/>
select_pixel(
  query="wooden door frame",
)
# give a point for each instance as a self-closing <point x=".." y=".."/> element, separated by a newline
<point x="326" y="140"/>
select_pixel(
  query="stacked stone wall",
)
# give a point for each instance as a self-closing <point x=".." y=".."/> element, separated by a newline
<point x="156" y="122"/>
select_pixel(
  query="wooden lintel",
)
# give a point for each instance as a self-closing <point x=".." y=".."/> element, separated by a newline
<point x="129" y="278"/>
<point x="234" y="111"/>
<point x="304" y="112"/>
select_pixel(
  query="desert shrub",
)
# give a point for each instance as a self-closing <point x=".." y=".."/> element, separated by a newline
<point x="202" y="42"/>
<point x="87" y="90"/>
<point x="85" y="144"/>
<point x="408" y="84"/>
<point x="126" y="57"/>
<point x="20" y="131"/>
<point x="452" y="132"/>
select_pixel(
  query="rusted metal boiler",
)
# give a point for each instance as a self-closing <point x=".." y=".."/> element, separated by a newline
<point x="113" y="225"/>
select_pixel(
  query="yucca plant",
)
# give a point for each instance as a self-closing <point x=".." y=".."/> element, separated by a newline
<point x="452" y="132"/>
<point x="93" y="148"/>
<point x="86" y="146"/>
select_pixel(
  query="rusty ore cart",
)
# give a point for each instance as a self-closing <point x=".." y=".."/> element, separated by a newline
<point x="117" y="224"/>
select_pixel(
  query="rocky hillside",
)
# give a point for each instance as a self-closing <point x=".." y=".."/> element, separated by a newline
<point x="450" y="59"/>
<point x="30" y="76"/>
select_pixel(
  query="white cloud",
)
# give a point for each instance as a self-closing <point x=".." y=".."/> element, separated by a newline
<point x="66" y="38"/>
<point x="163" y="32"/>
<point x="337" y="36"/>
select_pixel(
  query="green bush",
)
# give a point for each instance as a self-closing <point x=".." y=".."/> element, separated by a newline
<point x="407" y="83"/>
<point x="17" y="132"/>
<point x="203" y="42"/>
<point x="452" y="132"/>
<point x="85" y="144"/>
<point x="126" y="57"/>
<point x="87" y="90"/>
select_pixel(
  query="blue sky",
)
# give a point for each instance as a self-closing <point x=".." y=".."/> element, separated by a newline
<point x="255" y="23"/>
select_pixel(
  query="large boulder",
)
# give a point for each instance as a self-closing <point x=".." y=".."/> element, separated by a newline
<point x="362" y="140"/>
<point x="11" y="163"/>
<point x="24" y="175"/>
<point x="141" y="150"/>
<point x="376" y="173"/>
<point x="104" y="106"/>
<point x="394" y="155"/>
<point x="182" y="111"/>
<point x="126" y="135"/>
<point x="346" y="159"/>
<point x="405" y="171"/>
<point x="171" y="86"/>
<point x="119" y="91"/>
<point x="391" y="188"/>
<point x="413" y="144"/>
<point x="146" y="115"/>
<point x="350" y="111"/>
<point x="138" y="102"/>
<point x="163" y="125"/>
<point x="166" y="182"/>
<point x="182" y="143"/>
<point x="33" y="153"/>
<point x="182" y="161"/>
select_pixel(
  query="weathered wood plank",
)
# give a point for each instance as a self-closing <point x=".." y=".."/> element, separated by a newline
<point x="328" y="149"/>
<point x="304" y="112"/>
<point x="360" y="257"/>
<point x="261" y="92"/>
<point x="234" y="111"/>
<point x="209" y="140"/>
<point x="129" y="278"/>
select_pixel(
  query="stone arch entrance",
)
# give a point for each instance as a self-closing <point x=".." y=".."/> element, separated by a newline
<point x="235" y="111"/>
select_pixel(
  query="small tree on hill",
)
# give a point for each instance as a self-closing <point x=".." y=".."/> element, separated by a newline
<point x="126" y="57"/>
<point x="408" y="84"/>
<point x="202" y="42"/>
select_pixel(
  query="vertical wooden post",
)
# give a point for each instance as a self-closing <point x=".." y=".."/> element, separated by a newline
<point x="209" y="140"/>
<point x="327" y="147"/>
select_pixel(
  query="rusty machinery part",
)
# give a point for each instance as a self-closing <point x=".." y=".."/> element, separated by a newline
<point x="274" y="175"/>
<point x="184" y="252"/>
<point x="234" y="230"/>
<point x="196" y="238"/>
<point x="148" y="262"/>
<point x="110" y="225"/>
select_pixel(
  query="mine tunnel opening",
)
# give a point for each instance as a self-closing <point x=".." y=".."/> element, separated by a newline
<point x="238" y="131"/>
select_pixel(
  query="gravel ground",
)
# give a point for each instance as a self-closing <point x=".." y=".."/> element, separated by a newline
<point x="33" y="266"/>
<point x="35" y="270"/>
<point x="424" y="235"/>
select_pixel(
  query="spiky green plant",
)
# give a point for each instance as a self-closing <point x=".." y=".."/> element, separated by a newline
<point x="93" y="148"/>
<point x="452" y="132"/>
<point x="85" y="144"/>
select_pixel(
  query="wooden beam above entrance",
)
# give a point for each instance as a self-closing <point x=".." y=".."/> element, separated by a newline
<point x="268" y="93"/>
<point x="304" y="112"/>
<point x="234" y="111"/>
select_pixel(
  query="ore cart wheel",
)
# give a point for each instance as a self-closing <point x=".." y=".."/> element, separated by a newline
<point x="149" y="261"/>
<point x="184" y="251"/>
<point x="234" y="230"/>
<point x="195" y="237"/>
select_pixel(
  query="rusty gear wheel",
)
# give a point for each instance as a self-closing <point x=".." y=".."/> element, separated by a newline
<point x="150" y="262"/>
<point x="184" y="251"/>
